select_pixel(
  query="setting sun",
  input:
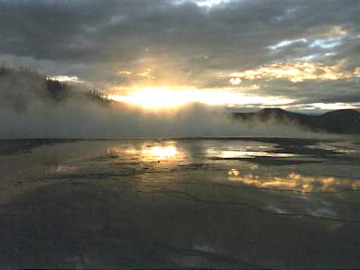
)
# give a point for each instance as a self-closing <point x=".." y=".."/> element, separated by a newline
<point x="162" y="98"/>
<point x="154" y="98"/>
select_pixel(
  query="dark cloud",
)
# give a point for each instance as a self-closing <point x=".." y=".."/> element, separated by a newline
<point x="184" y="43"/>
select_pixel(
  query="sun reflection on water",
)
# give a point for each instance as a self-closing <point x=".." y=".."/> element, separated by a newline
<point x="160" y="152"/>
<point x="147" y="153"/>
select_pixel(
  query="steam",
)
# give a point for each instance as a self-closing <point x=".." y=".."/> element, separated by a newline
<point x="27" y="112"/>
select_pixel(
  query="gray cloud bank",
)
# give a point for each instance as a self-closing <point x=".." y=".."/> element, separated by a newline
<point x="185" y="43"/>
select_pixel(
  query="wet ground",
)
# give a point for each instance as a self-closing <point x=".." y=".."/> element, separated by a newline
<point x="244" y="202"/>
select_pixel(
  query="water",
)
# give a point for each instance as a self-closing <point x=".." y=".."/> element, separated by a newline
<point x="250" y="202"/>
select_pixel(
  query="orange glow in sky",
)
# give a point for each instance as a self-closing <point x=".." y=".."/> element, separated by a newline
<point x="159" y="98"/>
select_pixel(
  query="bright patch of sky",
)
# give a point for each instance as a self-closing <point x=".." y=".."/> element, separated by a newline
<point x="294" y="72"/>
<point x="326" y="43"/>
<point x="235" y="81"/>
<point x="156" y="98"/>
<point x="332" y="106"/>
<point x="325" y="40"/>
<point x="208" y="3"/>
<point x="287" y="42"/>
<point x="65" y="78"/>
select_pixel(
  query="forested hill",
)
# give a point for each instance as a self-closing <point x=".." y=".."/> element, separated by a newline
<point x="20" y="87"/>
<point x="339" y="121"/>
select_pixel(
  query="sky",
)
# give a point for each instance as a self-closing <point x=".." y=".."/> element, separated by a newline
<point x="299" y="55"/>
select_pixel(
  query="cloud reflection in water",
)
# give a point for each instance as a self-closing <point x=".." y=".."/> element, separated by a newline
<point x="246" y="153"/>
<point x="295" y="181"/>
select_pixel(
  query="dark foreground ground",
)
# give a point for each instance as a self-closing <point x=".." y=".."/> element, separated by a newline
<point x="251" y="202"/>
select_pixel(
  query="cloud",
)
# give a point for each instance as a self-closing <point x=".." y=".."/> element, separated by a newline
<point x="295" y="72"/>
<point x="186" y="43"/>
<point x="285" y="43"/>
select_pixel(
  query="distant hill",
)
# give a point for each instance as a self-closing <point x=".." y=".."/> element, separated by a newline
<point x="339" y="121"/>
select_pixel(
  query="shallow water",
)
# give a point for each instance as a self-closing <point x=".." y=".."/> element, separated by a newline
<point x="250" y="202"/>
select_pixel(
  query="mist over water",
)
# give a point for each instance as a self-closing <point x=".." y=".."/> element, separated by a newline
<point x="26" y="112"/>
<point x="87" y="120"/>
